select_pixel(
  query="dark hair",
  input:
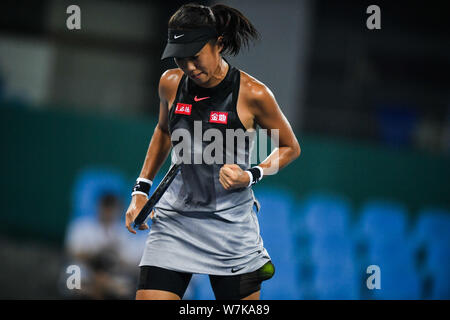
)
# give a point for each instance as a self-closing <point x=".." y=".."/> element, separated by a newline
<point x="236" y="29"/>
<point x="108" y="200"/>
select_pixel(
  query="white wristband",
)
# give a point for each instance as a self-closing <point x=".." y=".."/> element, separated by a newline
<point x="139" y="192"/>
<point x="145" y="180"/>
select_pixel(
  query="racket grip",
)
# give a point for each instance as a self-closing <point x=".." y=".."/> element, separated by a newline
<point x="136" y="225"/>
<point x="142" y="216"/>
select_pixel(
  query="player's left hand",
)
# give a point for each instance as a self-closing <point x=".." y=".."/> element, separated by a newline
<point x="231" y="176"/>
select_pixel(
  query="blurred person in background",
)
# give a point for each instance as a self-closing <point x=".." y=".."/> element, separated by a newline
<point x="98" y="245"/>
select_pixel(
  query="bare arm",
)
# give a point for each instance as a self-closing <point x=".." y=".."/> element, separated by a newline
<point x="266" y="112"/>
<point x="268" y="115"/>
<point x="159" y="146"/>
<point x="160" y="143"/>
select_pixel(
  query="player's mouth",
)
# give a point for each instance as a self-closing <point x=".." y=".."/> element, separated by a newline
<point x="196" y="76"/>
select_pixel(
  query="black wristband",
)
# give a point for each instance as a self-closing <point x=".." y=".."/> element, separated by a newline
<point x="142" y="187"/>
<point x="256" y="174"/>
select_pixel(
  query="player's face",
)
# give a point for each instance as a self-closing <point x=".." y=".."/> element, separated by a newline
<point x="202" y="66"/>
<point x="109" y="213"/>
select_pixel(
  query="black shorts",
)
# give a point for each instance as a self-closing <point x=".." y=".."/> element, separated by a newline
<point x="233" y="287"/>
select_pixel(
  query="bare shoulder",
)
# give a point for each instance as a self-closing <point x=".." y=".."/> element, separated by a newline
<point x="258" y="98"/>
<point x="168" y="83"/>
<point x="172" y="75"/>
<point x="253" y="90"/>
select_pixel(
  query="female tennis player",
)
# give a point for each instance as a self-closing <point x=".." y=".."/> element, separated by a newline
<point x="206" y="221"/>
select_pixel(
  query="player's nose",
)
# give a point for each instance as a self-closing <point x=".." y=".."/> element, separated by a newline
<point x="190" y="67"/>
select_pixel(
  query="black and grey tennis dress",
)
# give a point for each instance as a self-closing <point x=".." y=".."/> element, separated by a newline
<point x="199" y="227"/>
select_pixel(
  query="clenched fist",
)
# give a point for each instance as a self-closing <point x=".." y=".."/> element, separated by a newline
<point x="231" y="176"/>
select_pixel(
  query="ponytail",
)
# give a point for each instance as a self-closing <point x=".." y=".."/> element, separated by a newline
<point x="236" y="29"/>
<point x="231" y="24"/>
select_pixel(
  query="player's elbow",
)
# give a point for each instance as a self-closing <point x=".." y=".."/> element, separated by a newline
<point x="164" y="129"/>
<point x="292" y="152"/>
<point x="296" y="150"/>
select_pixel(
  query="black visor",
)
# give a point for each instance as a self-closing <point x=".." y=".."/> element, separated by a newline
<point x="186" y="43"/>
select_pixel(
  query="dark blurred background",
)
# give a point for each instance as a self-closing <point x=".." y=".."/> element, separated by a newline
<point x="370" y="108"/>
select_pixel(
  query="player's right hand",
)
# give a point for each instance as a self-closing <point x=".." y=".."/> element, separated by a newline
<point x="138" y="201"/>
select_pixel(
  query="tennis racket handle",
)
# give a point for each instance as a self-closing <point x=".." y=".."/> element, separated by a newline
<point x="143" y="215"/>
<point x="157" y="194"/>
<point x="135" y="225"/>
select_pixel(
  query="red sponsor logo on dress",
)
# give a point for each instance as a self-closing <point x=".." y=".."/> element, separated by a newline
<point x="183" y="108"/>
<point x="218" y="117"/>
<point x="200" y="99"/>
